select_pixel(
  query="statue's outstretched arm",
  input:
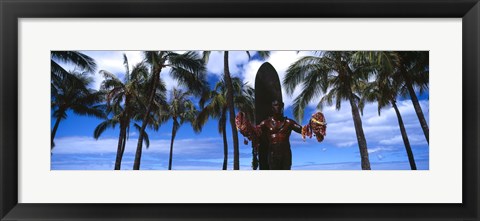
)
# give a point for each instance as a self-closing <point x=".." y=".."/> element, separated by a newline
<point x="296" y="127"/>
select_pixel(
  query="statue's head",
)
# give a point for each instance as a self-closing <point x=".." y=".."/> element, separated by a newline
<point x="277" y="108"/>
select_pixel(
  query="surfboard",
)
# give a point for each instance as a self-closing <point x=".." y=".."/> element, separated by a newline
<point x="267" y="89"/>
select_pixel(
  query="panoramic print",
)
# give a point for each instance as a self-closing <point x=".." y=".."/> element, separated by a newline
<point x="239" y="110"/>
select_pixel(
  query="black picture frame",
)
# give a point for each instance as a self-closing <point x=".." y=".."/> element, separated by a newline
<point x="12" y="10"/>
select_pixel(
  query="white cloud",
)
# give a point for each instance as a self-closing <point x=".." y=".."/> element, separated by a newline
<point x="346" y="144"/>
<point x="250" y="72"/>
<point x="167" y="79"/>
<point x="112" y="61"/>
<point x="379" y="149"/>
<point x="414" y="139"/>
<point x="108" y="145"/>
<point x="236" y="59"/>
<point x="378" y="120"/>
<point x="394" y="140"/>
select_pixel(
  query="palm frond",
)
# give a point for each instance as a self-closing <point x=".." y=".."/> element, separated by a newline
<point x="296" y="72"/>
<point x="127" y="68"/>
<point x="206" y="56"/>
<point x="76" y="58"/>
<point x="99" y="129"/>
<point x="248" y="54"/>
<point x="263" y="54"/>
<point x="152" y="58"/>
<point x="189" y="70"/>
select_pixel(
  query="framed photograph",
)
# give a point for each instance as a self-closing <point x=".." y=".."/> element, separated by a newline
<point x="310" y="110"/>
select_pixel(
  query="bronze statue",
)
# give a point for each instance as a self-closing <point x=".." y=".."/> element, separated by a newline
<point x="276" y="130"/>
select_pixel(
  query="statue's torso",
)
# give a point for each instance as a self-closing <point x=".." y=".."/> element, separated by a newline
<point x="277" y="131"/>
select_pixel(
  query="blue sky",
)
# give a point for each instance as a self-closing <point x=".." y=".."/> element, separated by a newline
<point x="76" y="148"/>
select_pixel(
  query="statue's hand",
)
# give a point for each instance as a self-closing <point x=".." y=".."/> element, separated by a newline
<point x="306" y="132"/>
<point x="247" y="129"/>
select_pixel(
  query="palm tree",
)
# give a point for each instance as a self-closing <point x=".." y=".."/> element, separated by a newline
<point x="410" y="68"/>
<point x="72" y="94"/>
<point x="336" y="76"/>
<point x="62" y="79"/>
<point x="414" y="71"/>
<point x="78" y="59"/>
<point x="187" y="68"/>
<point x="124" y="101"/>
<point x="179" y="109"/>
<point x="384" y="91"/>
<point x="217" y="108"/>
<point x="230" y="100"/>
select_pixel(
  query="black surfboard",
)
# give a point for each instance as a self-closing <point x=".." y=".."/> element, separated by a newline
<point x="267" y="89"/>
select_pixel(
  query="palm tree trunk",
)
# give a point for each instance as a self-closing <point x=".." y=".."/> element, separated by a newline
<point x="138" y="153"/>
<point x="418" y="109"/>
<point x="174" y="133"/>
<point x="121" y="140"/>
<point x="223" y="121"/>
<point x="54" y="131"/>
<point x="362" y="142"/>
<point x="228" y="82"/>
<point x="404" y="137"/>
<point x="124" y="142"/>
